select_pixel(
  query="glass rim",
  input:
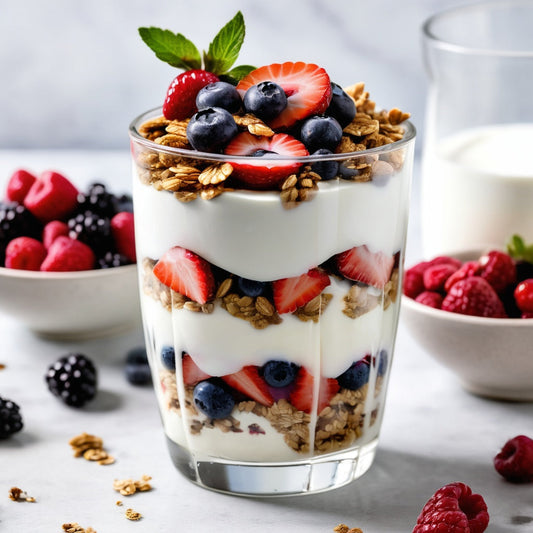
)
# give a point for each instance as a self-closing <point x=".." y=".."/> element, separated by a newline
<point x="439" y="42"/>
<point x="408" y="137"/>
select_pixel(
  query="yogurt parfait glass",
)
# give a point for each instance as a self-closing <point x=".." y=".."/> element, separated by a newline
<point x="270" y="315"/>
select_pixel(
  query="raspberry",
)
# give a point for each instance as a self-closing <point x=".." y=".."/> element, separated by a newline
<point x="66" y="255"/>
<point x="123" y="233"/>
<point x="467" y="270"/>
<point x="515" y="460"/>
<point x="430" y="298"/>
<point x="453" y="509"/>
<point x="474" y="296"/>
<point x="51" y="197"/>
<point x="18" y="185"/>
<point x="498" y="268"/>
<point x="523" y="295"/>
<point x="445" y="260"/>
<point x="527" y="315"/>
<point x="435" y="276"/>
<point x="25" y="253"/>
<point x="52" y="231"/>
<point x="10" y="418"/>
<point x="413" y="280"/>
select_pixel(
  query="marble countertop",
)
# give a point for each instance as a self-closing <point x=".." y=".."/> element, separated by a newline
<point x="433" y="433"/>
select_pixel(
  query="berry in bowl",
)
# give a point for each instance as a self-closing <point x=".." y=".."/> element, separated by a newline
<point x="472" y="312"/>
<point x="67" y="257"/>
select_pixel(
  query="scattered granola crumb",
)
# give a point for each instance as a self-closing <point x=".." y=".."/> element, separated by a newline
<point x="74" y="527"/>
<point x="127" y="487"/>
<point x="119" y="503"/>
<point x="342" y="528"/>
<point x="2" y="366"/>
<point x="90" y="448"/>
<point x="18" y="495"/>
<point x="133" y="515"/>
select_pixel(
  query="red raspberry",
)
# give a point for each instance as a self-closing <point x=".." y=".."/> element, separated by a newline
<point x="474" y="296"/>
<point x="515" y="460"/>
<point x="527" y="315"/>
<point x="413" y="280"/>
<point x="52" y="231"/>
<point x="18" y="185"/>
<point x="453" y="509"/>
<point x="51" y="197"/>
<point x="498" y="268"/>
<point x="65" y="255"/>
<point x="25" y="253"/>
<point x="445" y="260"/>
<point x="124" y="235"/>
<point x="467" y="270"/>
<point x="523" y="295"/>
<point x="430" y="298"/>
<point x="435" y="276"/>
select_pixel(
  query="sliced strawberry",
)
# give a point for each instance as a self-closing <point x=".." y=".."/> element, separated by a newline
<point x="192" y="374"/>
<point x="180" y="102"/>
<point x="360" y="264"/>
<point x="249" y="382"/>
<point x="263" y="172"/>
<point x="187" y="273"/>
<point x="291" y="293"/>
<point x="302" y="394"/>
<point x="306" y="85"/>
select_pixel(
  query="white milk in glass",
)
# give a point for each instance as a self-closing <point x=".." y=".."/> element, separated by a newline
<point x="477" y="189"/>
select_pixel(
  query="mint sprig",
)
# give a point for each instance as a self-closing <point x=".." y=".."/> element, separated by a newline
<point x="517" y="249"/>
<point x="178" y="51"/>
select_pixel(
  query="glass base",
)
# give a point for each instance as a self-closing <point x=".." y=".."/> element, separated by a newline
<point x="314" y="475"/>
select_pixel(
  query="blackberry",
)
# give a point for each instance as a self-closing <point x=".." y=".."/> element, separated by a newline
<point x="10" y="418"/>
<point x="97" y="200"/>
<point x="112" y="260"/>
<point x="121" y="203"/>
<point x="73" y="379"/>
<point x="93" y="230"/>
<point x="16" y="221"/>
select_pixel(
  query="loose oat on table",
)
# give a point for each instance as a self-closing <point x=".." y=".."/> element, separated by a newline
<point x="18" y="495"/>
<point x="127" y="487"/>
<point x="91" y="448"/>
<point x="133" y="515"/>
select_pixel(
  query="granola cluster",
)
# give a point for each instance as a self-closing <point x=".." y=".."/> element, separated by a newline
<point x="127" y="487"/>
<point x="190" y="178"/>
<point x="18" y="495"/>
<point x="90" y="448"/>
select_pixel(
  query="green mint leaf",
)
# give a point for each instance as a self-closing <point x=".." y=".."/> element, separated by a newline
<point x="239" y="72"/>
<point x="172" y="48"/>
<point x="517" y="249"/>
<point x="225" y="47"/>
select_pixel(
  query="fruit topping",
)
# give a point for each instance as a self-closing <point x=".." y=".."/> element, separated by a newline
<point x="66" y="255"/>
<point x="320" y="132"/>
<point x="265" y="100"/>
<point x="304" y="392"/>
<point x="360" y="264"/>
<point x="10" y="418"/>
<point x="73" y="379"/>
<point x="211" y="129"/>
<point x="306" y="85"/>
<point x="192" y="374"/>
<point x="123" y="232"/>
<point x="187" y="273"/>
<point x="453" y="509"/>
<point x="251" y="287"/>
<point x="51" y="197"/>
<point x="219" y="94"/>
<point x="268" y="168"/>
<point x="327" y="170"/>
<point x="25" y="253"/>
<point x="342" y="107"/>
<point x="18" y="185"/>
<point x="356" y="376"/>
<point x="279" y="373"/>
<point x="249" y="382"/>
<point x="168" y="357"/>
<point x="137" y="369"/>
<point x="291" y="293"/>
<point x="515" y="460"/>
<point x="213" y="400"/>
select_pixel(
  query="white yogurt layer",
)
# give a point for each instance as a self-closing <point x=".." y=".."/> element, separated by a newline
<point x="252" y="235"/>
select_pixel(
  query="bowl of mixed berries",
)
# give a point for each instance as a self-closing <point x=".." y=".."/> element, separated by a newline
<point x="473" y="312"/>
<point x="67" y="256"/>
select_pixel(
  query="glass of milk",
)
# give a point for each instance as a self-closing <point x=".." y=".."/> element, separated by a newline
<point x="477" y="168"/>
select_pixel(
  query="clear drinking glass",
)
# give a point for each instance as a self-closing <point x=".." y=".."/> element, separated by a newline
<point x="477" y="172"/>
<point x="283" y="424"/>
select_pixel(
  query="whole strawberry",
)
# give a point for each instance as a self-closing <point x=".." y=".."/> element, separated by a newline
<point x="474" y="296"/>
<point x="453" y="509"/>
<point x="515" y="460"/>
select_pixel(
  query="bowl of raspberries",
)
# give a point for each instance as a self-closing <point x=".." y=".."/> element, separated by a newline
<point x="67" y="256"/>
<point x="473" y="312"/>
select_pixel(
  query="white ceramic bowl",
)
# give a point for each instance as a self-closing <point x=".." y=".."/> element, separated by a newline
<point x="492" y="357"/>
<point x="72" y="305"/>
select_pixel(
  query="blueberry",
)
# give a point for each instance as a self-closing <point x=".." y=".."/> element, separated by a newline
<point x="168" y="357"/>
<point x="279" y="373"/>
<point x="211" y="129"/>
<point x="219" y="94"/>
<point x="327" y="170"/>
<point x="137" y="356"/>
<point x="320" y="132"/>
<point x="261" y="153"/>
<point x="213" y="400"/>
<point x="138" y="374"/>
<point x="342" y="107"/>
<point x="251" y="287"/>
<point x="383" y="362"/>
<point x="356" y="376"/>
<point x="265" y="100"/>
